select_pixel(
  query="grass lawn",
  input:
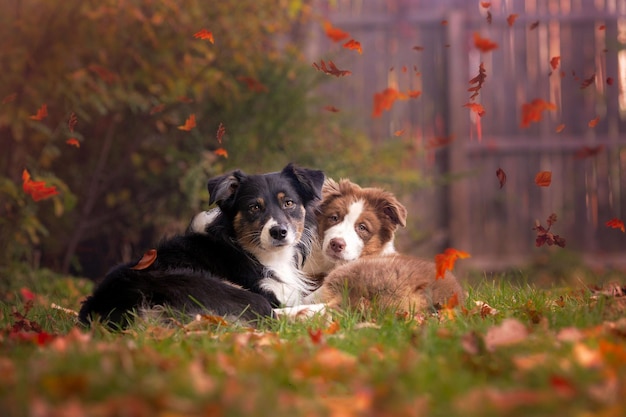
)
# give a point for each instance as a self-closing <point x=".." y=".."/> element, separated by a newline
<point x="512" y="349"/>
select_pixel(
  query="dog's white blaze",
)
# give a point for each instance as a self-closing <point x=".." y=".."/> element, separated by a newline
<point x="267" y="241"/>
<point x="346" y="231"/>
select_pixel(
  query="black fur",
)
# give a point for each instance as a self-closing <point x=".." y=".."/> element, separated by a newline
<point x="193" y="272"/>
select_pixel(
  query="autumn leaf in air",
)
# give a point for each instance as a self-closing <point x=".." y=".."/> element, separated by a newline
<point x="484" y="44"/>
<point x="545" y="236"/>
<point x="588" y="151"/>
<point x="37" y="189"/>
<point x="477" y="81"/>
<point x="531" y="112"/>
<point x="331" y="109"/>
<point x="221" y="152"/>
<point x="594" y="122"/>
<point x="501" y="175"/>
<point x="439" y="142"/>
<point x="485" y="4"/>
<point x="73" y="142"/>
<point x="331" y="69"/>
<point x="352" y="44"/>
<point x="560" y="128"/>
<point x="335" y="34"/>
<point x="418" y="48"/>
<point x="73" y="120"/>
<point x="511" y="19"/>
<point x="543" y="178"/>
<point x="587" y="82"/>
<point x="476" y="108"/>
<point x="146" y="260"/>
<point x="41" y="114"/>
<point x="221" y="131"/>
<point x="609" y="80"/>
<point x="554" y="62"/>
<point x="204" y="34"/>
<point x="157" y="109"/>
<point x="190" y="123"/>
<point x="445" y="261"/>
<point x="616" y="223"/>
<point x="384" y="100"/>
<point x="534" y="25"/>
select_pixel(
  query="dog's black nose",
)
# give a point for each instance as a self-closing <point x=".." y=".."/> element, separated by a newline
<point x="278" y="232"/>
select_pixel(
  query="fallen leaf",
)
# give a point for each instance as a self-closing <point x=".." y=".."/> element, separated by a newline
<point x="157" y="109"/>
<point x="501" y="176"/>
<point x="27" y="294"/>
<point x="355" y="45"/>
<point x="41" y="114"/>
<point x="616" y="223"/>
<point x="190" y="123"/>
<point x="384" y="100"/>
<point x="316" y="336"/>
<point x="445" y="261"/>
<point x="484" y="44"/>
<point x="543" y="178"/>
<point x="334" y="33"/>
<point x="146" y="260"/>
<point x="509" y="332"/>
<point x="204" y="34"/>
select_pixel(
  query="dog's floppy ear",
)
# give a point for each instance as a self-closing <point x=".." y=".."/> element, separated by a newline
<point x="224" y="187"/>
<point x="394" y="210"/>
<point x="308" y="182"/>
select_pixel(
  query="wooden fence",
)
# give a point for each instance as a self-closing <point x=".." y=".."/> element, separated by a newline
<point x="428" y="46"/>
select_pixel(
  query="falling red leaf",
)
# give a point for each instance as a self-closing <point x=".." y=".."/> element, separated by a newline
<point x="190" y="123"/>
<point x="352" y="44"/>
<point x="37" y="189"/>
<point x="601" y="27"/>
<point x="616" y="223"/>
<point x="146" y="260"/>
<point x="27" y="294"/>
<point x="385" y="99"/>
<point x="9" y="98"/>
<point x="204" y="34"/>
<point x="501" y="175"/>
<point x="335" y="34"/>
<point x="73" y="120"/>
<point x="41" y="114"/>
<point x="157" y="109"/>
<point x="418" y="48"/>
<point x="531" y="112"/>
<point x="554" y="62"/>
<point x="476" y="108"/>
<point x="511" y="19"/>
<point x="221" y="131"/>
<point x="253" y="84"/>
<point x="489" y="17"/>
<point x="543" y="178"/>
<point x="73" y="142"/>
<point x="587" y="82"/>
<point x="398" y="132"/>
<point x="478" y="80"/>
<point x="559" y="128"/>
<point x="587" y="151"/>
<point x="413" y="93"/>
<point x="594" y="122"/>
<point x="331" y="69"/>
<point x="484" y="44"/>
<point x="221" y="152"/>
<point x="444" y="22"/>
<point x="545" y="236"/>
<point x="331" y="109"/>
<point x="445" y="261"/>
<point x="485" y="4"/>
<point x="534" y="25"/>
<point x="609" y="80"/>
<point x="439" y="142"/>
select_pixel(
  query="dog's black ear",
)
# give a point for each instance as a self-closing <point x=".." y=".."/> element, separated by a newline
<point x="224" y="187"/>
<point x="307" y="181"/>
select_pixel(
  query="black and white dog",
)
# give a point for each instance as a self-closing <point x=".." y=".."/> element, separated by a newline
<point x="244" y="262"/>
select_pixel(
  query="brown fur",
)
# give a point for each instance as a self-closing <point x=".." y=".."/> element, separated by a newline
<point x="398" y="282"/>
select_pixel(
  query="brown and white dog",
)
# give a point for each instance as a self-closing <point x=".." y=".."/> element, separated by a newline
<point x="356" y="258"/>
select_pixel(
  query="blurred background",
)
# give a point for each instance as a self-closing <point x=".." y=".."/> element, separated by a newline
<point x="131" y="73"/>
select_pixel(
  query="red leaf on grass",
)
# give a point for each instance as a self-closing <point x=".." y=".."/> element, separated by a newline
<point x="616" y="223"/>
<point x="543" y="178"/>
<point x="41" y="114"/>
<point x="146" y="260"/>
<point x="190" y="123"/>
<point x="316" y="336"/>
<point x="9" y="98"/>
<point x="501" y="177"/>
<point x="37" y="189"/>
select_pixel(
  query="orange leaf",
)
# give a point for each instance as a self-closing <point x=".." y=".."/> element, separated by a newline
<point x="560" y="128"/>
<point x="476" y="108"/>
<point x="41" y="114"/>
<point x="594" y="122"/>
<point x="221" y="152"/>
<point x="543" y="178"/>
<point x="73" y="142"/>
<point x="511" y="19"/>
<point x="384" y="100"/>
<point x="37" y="189"/>
<point x="413" y="93"/>
<point x="352" y="44"/>
<point x="554" y="62"/>
<point x="445" y="261"/>
<point x="587" y="151"/>
<point x="331" y="109"/>
<point x="501" y="177"/>
<point x="146" y="260"/>
<point x="616" y="223"/>
<point x="316" y="336"/>
<point x="331" y="69"/>
<point x="485" y="4"/>
<point x="190" y="123"/>
<point x="484" y="44"/>
<point x="531" y="112"/>
<point x="398" y="132"/>
<point x="204" y="34"/>
<point x="334" y="33"/>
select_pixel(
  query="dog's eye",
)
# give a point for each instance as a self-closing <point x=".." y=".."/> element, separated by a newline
<point x="288" y="204"/>
<point x="254" y="208"/>
<point x="362" y="227"/>
<point x="333" y="218"/>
